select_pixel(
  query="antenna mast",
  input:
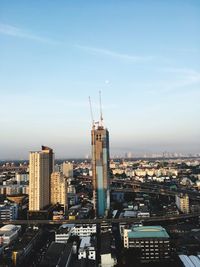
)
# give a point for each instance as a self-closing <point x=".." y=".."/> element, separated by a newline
<point x="101" y="113"/>
<point x="91" y="113"/>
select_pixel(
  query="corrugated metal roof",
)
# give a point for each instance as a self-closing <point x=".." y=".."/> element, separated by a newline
<point x="190" y="261"/>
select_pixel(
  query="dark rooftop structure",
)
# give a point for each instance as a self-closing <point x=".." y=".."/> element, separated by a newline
<point x="106" y="240"/>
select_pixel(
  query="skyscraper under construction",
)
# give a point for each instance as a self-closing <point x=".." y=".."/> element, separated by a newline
<point x="100" y="168"/>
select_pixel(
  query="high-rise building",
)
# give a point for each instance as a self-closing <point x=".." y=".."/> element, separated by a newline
<point x="59" y="189"/>
<point x="100" y="169"/>
<point x="182" y="202"/>
<point x="40" y="168"/>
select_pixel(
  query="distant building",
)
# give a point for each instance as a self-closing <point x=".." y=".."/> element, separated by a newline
<point x="152" y="242"/>
<point x="21" y="177"/>
<point x="100" y="169"/>
<point x="40" y="168"/>
<point x="8" y="211"/>
<point x="59" y="189"/>
<point x="182" y="203"/>
<point x="67" y="169"/>
<point x="71" y="195"/>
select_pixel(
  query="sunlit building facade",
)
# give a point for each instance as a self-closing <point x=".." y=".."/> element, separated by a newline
<point x="59" y="189"/>
<point x="40" y="168"/>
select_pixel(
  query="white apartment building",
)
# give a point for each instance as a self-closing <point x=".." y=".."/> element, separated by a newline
<point x="182" y="203"/>
<point x="83" y="230"/>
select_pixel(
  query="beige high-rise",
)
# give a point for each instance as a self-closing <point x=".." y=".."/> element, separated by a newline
<point x="40" y="169"/>
<point x="59" y="189"/>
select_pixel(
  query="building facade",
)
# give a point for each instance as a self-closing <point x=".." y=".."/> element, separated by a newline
<point x="100" y="170"/>
<point x="82" y="230"/>
<point x="59" y="189"/>
<point x="152" y="242"/>
<point x="40" y="168"/>
<point x="8" y="211"/>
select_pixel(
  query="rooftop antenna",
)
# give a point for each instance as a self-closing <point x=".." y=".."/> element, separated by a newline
<point x="91" y="112"/>
<point x="101" y="113"/>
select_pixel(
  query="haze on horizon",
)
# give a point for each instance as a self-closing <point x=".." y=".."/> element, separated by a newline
<point x="143" y="55"/>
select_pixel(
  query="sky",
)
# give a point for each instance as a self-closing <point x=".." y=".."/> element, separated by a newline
<point x="143" y="55"/>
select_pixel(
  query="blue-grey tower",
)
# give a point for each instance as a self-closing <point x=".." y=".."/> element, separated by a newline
<point x="100" y="167"/>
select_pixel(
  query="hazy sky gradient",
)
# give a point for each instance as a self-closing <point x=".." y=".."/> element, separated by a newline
<point x="143" y="55"/>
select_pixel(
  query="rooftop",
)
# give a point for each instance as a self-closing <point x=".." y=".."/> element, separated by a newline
<point x="148" y="232"/>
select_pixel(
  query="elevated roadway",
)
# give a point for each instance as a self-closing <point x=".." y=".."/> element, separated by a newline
<point x="100" y="221"/>
<point x="135" y="186"/>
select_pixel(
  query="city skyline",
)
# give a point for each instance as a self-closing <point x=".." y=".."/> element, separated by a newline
<point x="146" y="66"/>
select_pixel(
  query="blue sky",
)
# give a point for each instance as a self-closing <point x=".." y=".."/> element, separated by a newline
<point x="143" y="55"/>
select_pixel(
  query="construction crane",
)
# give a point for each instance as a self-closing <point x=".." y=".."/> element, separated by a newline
<point x="91" y="112"/>
<point x="101" y="113"/>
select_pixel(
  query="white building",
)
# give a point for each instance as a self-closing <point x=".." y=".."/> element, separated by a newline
<point x="9" y="233"/>
<point x="82" y="230"/>
<point x="86" y="250"/>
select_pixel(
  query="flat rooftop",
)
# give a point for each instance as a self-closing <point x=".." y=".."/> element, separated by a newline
<point x="148" y="232"/>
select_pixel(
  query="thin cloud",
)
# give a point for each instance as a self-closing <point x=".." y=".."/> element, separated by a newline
<point x="186" y="77"/>
<point x="181" y="71"/>
<point x="13" y="31"/>
<point x="114" y="55"/>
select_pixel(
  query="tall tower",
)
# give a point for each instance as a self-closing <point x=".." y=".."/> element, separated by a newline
<point x="40" y="168"/>
<point x="100" y="168"/>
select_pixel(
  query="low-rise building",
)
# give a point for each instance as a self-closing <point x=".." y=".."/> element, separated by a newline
<point x="153" y="242"/>
<point x="9" y="233"/>
<point x="87" y="249"/>
<point x="82" y="230"/>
